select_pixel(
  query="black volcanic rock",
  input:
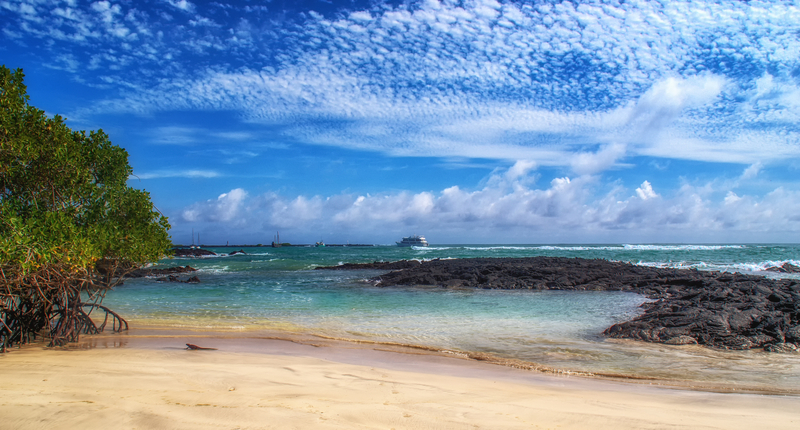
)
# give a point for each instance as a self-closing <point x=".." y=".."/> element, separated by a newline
<point x="170" y="273"/>
<point x="785" y="268"/>
<point x="715" y="309"/>
<point x="173" y="278"/>
<point x="191" y="252"/>
<point x="140" y="273"/>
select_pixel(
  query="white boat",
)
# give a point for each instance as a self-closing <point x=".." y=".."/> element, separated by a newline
<point x="415" y="240"/>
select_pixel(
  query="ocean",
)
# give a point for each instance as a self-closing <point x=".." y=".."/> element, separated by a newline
<point x="277" y="291"/>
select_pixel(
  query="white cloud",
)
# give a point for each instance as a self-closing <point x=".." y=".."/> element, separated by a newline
<point x="520" y="169"/>
<point x="224" y="209"/>
<point x="645" y="191"/>
<point x="483" y="79"/>
<point x="587" y="163"/>
<point x="752" y="171"/>
<point x="234" y="135"/>
<point x="107" y="10"/>
<point x="177" y="174"/>
<point x="453" y="127"/>
<point x="295" y="213"/>
<point x="183" y="5"/>
<point x="731" y="198"/>
<point x="772" y="99"/>
<point x="566" y="208"/>
<point x="666" y="100"/>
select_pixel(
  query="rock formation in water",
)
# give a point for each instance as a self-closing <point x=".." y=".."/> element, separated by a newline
<point x="715" y="309"/>
<point x="191" y="252"/>
<point x="140" y="273"/>
<point x="785" y="268"/>
<point x="167" y="274"/>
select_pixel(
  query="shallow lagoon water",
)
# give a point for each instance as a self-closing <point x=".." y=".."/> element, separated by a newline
<point x="276" y="289"/>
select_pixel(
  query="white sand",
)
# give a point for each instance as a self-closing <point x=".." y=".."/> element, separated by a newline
<point x="261" y="384"/>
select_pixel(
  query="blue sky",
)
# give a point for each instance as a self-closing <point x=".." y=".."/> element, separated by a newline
<point x="467" y="121"/>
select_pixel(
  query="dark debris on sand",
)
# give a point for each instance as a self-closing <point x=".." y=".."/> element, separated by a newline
<point x="715" y="309"/>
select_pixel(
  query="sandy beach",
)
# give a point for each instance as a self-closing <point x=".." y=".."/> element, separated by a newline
<point x="152" y="382"/>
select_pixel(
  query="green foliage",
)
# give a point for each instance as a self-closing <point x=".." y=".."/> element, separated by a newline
<point x="65" y="206"/>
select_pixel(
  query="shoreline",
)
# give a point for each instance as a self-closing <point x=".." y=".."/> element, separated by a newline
<point x="373" y="352"/>
<point x="146" y="379"/>
<point x="694" y="367"/>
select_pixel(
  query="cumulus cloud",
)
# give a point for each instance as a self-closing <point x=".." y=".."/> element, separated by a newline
<point x="520" y="169"/>
<point x="224" y="209"/>
<point x="567" y="208"/>
<point x="586" y="163"/>
<point x="645" y="191"/>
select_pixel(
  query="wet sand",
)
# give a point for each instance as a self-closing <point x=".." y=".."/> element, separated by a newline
<point x="146" y="379"/>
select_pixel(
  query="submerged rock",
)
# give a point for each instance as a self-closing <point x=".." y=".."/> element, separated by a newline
<point x="379" y="265"/>
<point x="139" y="273"/>
<point x="173" y="278"/>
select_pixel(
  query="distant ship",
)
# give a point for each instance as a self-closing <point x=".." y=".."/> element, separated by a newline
<point x="415" y="240"/>
<point x="277" y="242"/>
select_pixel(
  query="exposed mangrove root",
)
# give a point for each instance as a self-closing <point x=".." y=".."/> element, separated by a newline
<point x="53" y="305"/>
<point x="118" y="323"/>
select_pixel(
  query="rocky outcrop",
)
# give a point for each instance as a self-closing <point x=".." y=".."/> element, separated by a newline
<point x="140" y="273"/>
<point x="191" y="252"/>
<point x="167" y="274"/>
<point x="784" y="268"/>
<point x="173" y="278"/>
<point x="720" y="310"/>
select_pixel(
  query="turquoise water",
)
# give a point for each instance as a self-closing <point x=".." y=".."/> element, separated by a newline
<point x="276" y="289"/>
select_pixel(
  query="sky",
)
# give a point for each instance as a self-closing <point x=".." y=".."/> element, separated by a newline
<point x="484" y="121"/>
